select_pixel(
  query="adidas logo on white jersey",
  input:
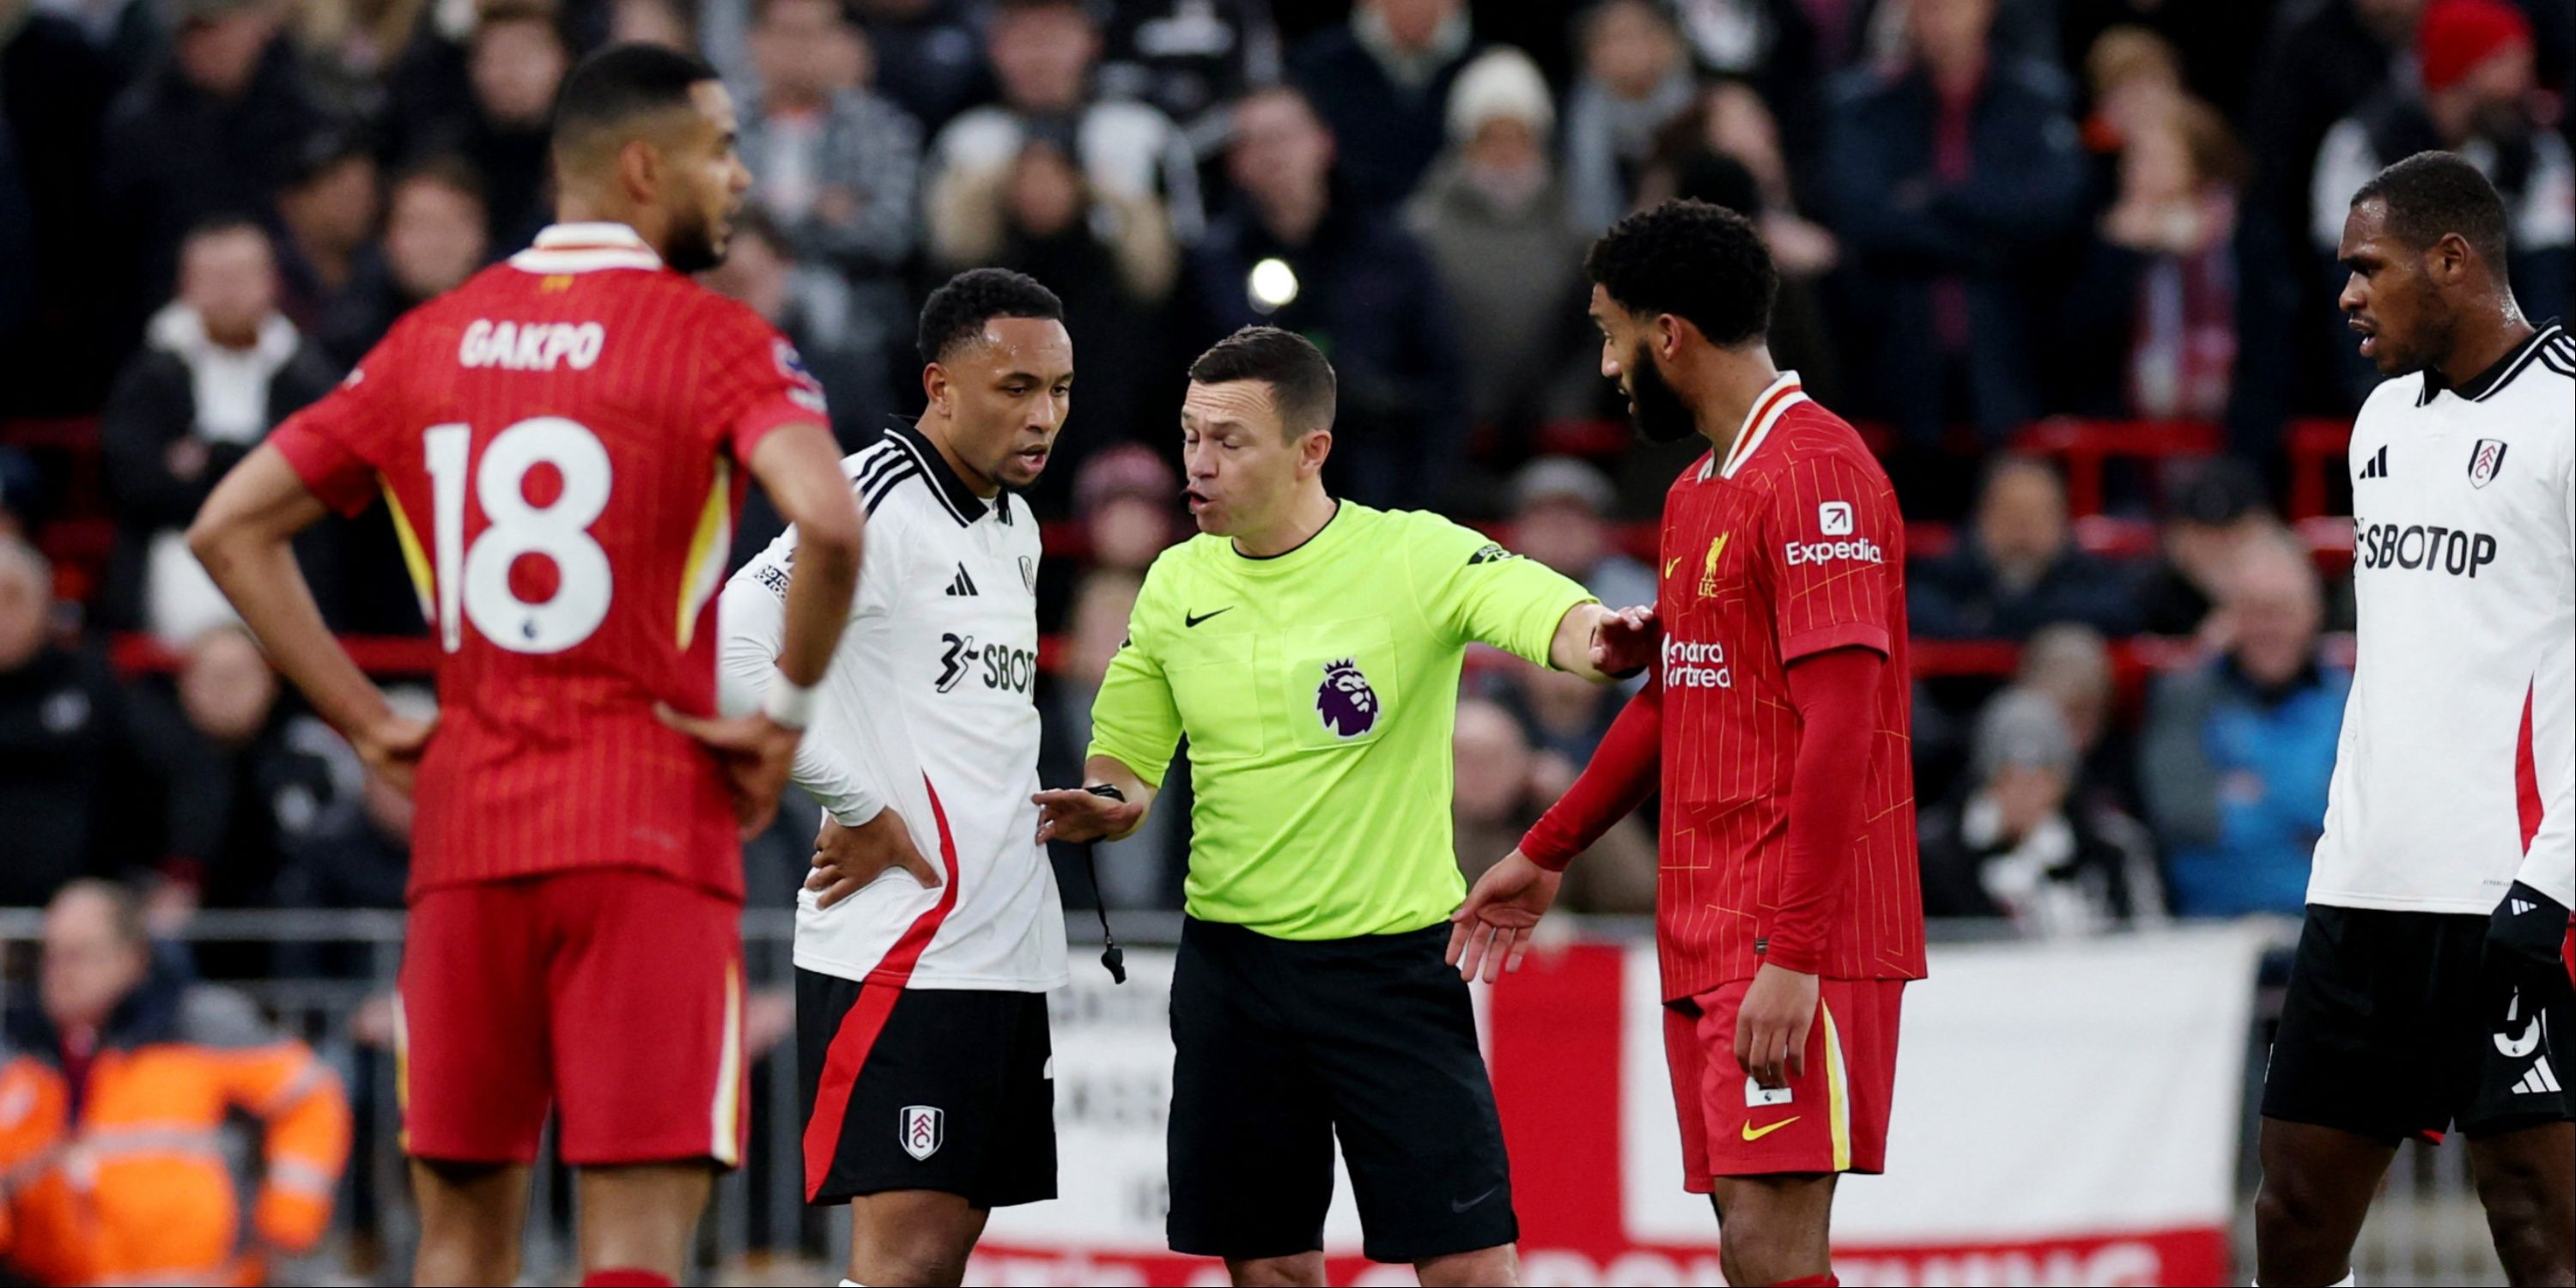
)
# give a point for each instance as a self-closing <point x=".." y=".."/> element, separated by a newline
<point x="963" y="585"/>
<point x="2541" y="1081"/>
<point x="2378" y="467"/>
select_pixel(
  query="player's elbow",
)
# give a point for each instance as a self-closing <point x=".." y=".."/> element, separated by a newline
<point x="828" y="537"/>
<point x="213" y="537"/>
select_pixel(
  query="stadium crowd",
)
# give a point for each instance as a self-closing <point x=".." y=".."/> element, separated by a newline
<point x="1989" y="213"/>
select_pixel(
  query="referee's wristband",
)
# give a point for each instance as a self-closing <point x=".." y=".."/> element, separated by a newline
<point x="788" y="704"/>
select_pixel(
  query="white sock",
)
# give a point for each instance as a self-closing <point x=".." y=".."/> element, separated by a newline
<point x="2351" y="1279"/>
<point x="852" y="1283"/>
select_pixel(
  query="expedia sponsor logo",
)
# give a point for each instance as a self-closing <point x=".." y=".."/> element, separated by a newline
<point x="530" y="346"/>
<point x="1861" y="550"/>
<point x="1688" y="665"/>
<point x="2425" y="547"/>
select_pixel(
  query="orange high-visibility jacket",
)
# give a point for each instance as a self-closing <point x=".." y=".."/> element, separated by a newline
<point x="123" y="1178"/>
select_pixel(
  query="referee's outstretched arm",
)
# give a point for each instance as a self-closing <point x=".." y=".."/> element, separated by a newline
<point x="1109" y="805"/>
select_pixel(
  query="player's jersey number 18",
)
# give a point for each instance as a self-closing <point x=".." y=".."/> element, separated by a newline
<point x="558" y="530"/>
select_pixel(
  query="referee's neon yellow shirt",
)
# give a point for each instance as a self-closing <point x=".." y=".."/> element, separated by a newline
<point x="1319" y="689"/>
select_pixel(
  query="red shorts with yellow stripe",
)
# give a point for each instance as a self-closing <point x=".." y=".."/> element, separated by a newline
<point x="1833" y="1118"/>
<point x="611" y="995"/>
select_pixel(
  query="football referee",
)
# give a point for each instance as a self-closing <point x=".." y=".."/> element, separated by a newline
<point x="1310" y="649"/>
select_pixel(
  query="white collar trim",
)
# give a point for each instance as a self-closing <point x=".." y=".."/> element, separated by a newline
<point x="1782" y="394"/>
<point x="582" y="248"/>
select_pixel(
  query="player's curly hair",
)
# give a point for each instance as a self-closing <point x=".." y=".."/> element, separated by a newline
<point x="1704" y="264"/>
<point x="956" y="313"/>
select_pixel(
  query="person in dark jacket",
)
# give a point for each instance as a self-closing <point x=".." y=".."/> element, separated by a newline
<point x="54" y="92"/>
<point x="2235" y="756"/>
<point x="1949" y="176"/>
<point x="2018" y="845"/>
<point x="211" y="133"/>
<point x="221" y="368"/>
<point x="61" y="729"/>
<point x="1381" y="83"/>
<point x="513" y="64"/>
<point x="2017" y="569"/>
<point x="1295" y="253"/>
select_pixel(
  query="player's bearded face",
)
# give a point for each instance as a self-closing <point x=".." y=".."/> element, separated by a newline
<point x="708" y="180"/>
<point x="1655" y="409"/>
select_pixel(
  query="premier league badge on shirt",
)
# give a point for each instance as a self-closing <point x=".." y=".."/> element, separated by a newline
<point x="1345" y="701"/>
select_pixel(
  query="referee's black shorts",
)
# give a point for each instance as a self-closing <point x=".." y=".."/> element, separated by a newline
<point x="1283" y="1045"/>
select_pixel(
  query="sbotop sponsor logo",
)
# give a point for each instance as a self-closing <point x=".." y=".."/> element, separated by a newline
<point x="2425" y="547"/>
<point x="1690" y="665"/>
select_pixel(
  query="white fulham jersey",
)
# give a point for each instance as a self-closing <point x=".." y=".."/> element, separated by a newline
<point x="928" y="710"/>
<point x="2456" y="773"/>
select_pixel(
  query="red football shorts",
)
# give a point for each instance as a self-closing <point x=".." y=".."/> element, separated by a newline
<point x="1831" y="1119"/>
<point x="613" y="995"/>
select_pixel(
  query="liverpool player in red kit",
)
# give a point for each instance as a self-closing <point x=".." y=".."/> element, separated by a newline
<point x="1789" y="914"/>
<point x="561" y="442"/>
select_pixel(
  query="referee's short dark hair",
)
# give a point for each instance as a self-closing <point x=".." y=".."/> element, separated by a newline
<point x="1704" y="264"/>
<point x="611" y="88"/>
<point x="956" y="312"/>
<point x="1302" y="384"/>
<point x="2432" y="194"/>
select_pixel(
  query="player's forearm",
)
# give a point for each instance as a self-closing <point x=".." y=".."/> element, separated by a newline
<point x="1621" y="774"/>
<point x="243" y="538"/>
<point x="1112" y="772"/>
<point x="1834" y="693"/>
<point x="1571" y="650"/>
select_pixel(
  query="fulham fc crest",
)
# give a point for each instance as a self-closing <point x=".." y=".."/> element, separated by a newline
<point x="2485" y="461"/>
<point x="922" y="1129"/>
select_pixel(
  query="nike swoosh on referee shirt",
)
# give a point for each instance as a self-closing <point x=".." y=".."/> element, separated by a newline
<point x="1461" y="1205"/>
<point x="1189" y="618"/>
<point x="1753" y="1133"/>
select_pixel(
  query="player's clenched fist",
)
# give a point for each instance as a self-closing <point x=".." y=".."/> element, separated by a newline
<point x="391" y="747"/>
<point x="754" y="752"/>
<point x="847" y="858"/>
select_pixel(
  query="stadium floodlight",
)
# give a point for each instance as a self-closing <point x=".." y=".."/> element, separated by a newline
<point x="1272" y="285"/>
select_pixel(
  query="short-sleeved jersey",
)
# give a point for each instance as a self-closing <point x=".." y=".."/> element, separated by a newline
<point x="1790" y="545"/>
<point x="559" y="442"/>
<point x="1319" y="689"/>
<point x="929" y="707"/>
<point x="2456" y="771"/>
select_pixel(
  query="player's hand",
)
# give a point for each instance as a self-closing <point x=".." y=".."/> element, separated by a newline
<point x="2526" y="934"/>
<point x="754" y="751"/>
<point x="391" y="747"/>
<point x="848" y="858"/>
<point x="1625" y="641"/>
<point x="1771" y="1026"/>
<point x="1077" y="816"/>
<point x="1492" y="929"/>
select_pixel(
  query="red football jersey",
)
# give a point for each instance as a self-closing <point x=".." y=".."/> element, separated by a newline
<point x="559" y="443"/>
<point x="1789" y="546"/>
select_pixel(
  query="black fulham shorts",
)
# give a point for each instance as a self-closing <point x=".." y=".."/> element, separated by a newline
<point x="1284" y="1045"/>
<point x="2393" y="1029"/>
<point x="925" y="1089"/>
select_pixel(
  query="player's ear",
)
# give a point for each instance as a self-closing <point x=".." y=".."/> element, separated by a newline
<point x="934" y="385"/>
<point x="1311" y="451"/>
<point x="2447" y="259"/>
<point x="1668" y="335"/>
<point x="639" y="170"/>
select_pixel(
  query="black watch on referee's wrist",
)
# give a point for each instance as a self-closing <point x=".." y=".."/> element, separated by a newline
<point x="1109" y="790"/>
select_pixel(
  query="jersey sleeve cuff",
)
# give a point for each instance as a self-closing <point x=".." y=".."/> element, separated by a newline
<point x="1797" y="957"/>
<point x="337" y="476"/>
<point x="1868" y="635"/>
<point x="756" y="424"/>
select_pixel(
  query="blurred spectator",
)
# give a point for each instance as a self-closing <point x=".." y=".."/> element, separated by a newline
<point x="1124" y="497"/>
<point x="2318" y="67"/>
<point x="220" y="368"/>
<point x="328" y="209"/>
<point x="834" y="164"/>
<point x="1636" y="76"/>
<point x="1494" y="199"/>
<point x="651" y="22"/>
<point x="22" y="488"/>
<point x="1560" y="517"/>
<point x="2160" y="285"/>
<point x="1107" y="254"/>
<point x="1948" y="172"/>
<point x="513" y="63"/>
<point x="436" y="235"/>
<point x="1498" y="795"/>
<point x="211" y="133"/>
<point x="811" y="305"/>
<point x="1043" y="52"/>
<point x="2478" y="98"/>
<point x="2135" y="77"/>
<point x="123" y="1080"/>
<point x="1290" y="253"/>
<point x="2021" y="845"/>
<point x="2235" y="756"/>
<point x="1191" y="58"/>
<point x="2070" y="665"/>
<point x="2210" y="520"/>
<point x="249" y="774"/>
<point x="1562" y="717"/>
<point x="929" y="59"/>
<point x="54" y="92"/>
<point x="61" y="727"/>
<point x="1145" y="869"/>
<point x="2017" y="567"/>
<point x="1770" y="46"/>
<point x="2212" y="45"/>
<point x="348" y="47"/>
<point x="1381" y="84"/>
